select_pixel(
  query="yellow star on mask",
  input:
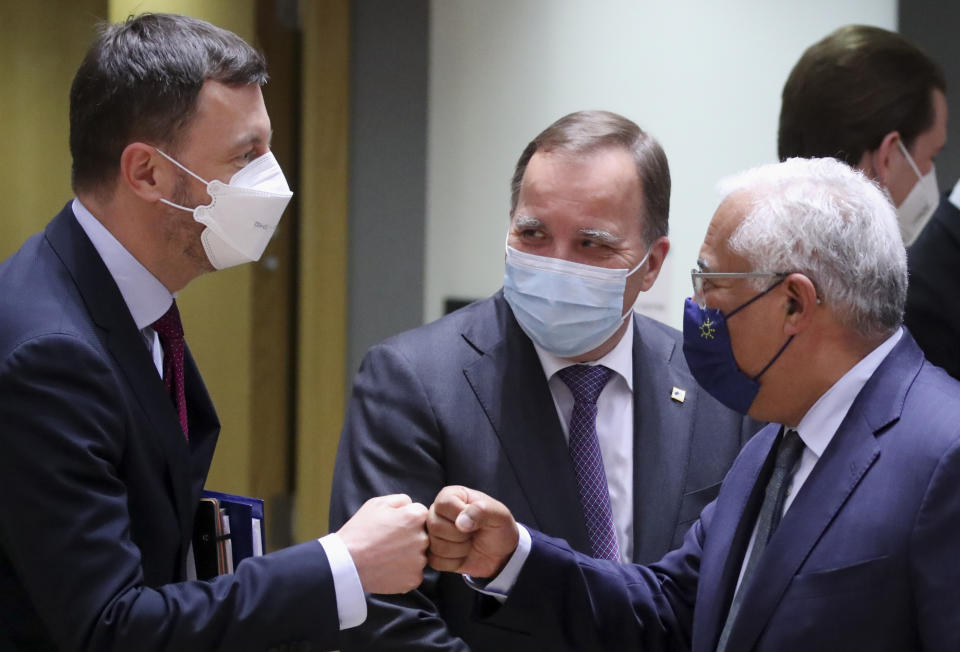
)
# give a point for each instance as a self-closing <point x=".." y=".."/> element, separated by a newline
<point x="707" y="330"/>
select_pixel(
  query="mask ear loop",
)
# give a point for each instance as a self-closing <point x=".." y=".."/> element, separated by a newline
<point x="774" y="358"/>
<point x="195" y="176"/>
<point x="624" y="316"/>
<point x="179" y="165"/>
<point x="909" y="158"/>
<point x="742" y="306"/>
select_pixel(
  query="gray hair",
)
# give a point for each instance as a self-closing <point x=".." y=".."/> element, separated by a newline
<point x="823" y="219"/>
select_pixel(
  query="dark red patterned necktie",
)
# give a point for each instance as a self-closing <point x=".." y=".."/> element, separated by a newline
<point x="170" y="331"/>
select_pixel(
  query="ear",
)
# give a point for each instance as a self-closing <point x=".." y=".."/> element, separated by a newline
<point x="884" y="159"/>
<point x="143" y="173"/>
<point x="658" y="253"/>
<point x="801" y="303"/>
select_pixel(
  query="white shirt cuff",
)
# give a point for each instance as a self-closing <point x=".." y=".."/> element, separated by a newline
<point x="351" y="602"/>
<point x="499" y="587"/>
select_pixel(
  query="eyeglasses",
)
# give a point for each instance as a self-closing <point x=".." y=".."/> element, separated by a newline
<point x="697" y="277"/>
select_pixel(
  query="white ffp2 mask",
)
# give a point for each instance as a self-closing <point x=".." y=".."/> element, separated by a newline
<point x="242" y="215"/>
<point x="920" y="203"/>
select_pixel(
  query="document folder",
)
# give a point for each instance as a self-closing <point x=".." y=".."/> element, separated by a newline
<point x="228" y="528"/>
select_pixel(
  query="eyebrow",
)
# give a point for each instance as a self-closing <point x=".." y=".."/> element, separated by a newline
<point x="602" y="236"/>
<point x="252" y="138"/>
<point x="527" y="222"/>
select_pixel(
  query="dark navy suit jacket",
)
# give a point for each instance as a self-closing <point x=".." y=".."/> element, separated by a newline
<point x="100" y="486"/>
<point x="933" y="303"/>
<point x="464" y="401"/>
<point x="865" y="559"/>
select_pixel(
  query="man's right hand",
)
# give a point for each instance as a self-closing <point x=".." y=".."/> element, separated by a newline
<point x="388" y="543"/>
<point x="470" y="533"/>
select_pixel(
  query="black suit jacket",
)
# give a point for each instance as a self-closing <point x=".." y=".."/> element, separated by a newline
<point x="100" y="485"/>
<point x="464" y="401"/>
<point x="864" y="559"/>
<point x="933" y="309"/>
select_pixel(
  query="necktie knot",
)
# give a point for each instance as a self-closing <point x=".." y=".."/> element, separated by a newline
<point x="585" y="381"/>
<point x="789" y="451"/>
<point x="169" y="327"/>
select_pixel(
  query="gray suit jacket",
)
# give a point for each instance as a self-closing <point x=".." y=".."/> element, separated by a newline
<point x="464" y="401"/>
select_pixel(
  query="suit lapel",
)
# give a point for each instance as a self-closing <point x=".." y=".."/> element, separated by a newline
<point x="122" y="338"/>
<point x="848" y="457"/>
<point x="204" y="429"/>
<point x="662" y="431"/>
<point x="728" y="534"/>
<point x="509" y="383"/>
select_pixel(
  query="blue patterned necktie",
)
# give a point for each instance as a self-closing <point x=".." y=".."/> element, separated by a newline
<point x="586" y="383"/>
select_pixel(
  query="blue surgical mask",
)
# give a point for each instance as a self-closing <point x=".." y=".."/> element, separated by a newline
<point x="567" y="308"/>
<point x="706" y="346"/>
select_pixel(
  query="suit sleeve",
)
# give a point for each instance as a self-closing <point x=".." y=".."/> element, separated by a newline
<point x="391" y="444"/>
<point x="935" y="572"/>
<point x="568" y="601"/>
<point x="65" y="528"/>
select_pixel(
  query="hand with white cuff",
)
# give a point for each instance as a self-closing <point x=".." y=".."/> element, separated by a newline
<point x="388" y="544"/>
<point x="470" y="533"/>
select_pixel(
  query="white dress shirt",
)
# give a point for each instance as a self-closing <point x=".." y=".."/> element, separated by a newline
<point x="955" y="195"/>
<point x="819" y="425"/>
<point x="816" y="429"/>
<point x="614" y="426"/>
<point x="147" y="300"/>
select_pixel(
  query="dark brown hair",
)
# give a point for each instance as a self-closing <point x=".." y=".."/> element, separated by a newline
<point x="584" y="132"/>
<point x="140" y="80"/>
<point x="851" y="89"/>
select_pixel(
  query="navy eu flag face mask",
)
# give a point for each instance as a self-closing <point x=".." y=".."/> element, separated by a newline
<point x="706" y="346"/>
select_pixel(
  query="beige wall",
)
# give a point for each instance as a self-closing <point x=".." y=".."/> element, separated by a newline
<point x="323" y="265"/>
<point x="41" y="44"/>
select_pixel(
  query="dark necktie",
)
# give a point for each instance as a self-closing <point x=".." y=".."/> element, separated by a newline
<point x="788" y="452"/>
<point x="170" y="331"/>
<point x="586" y="383"/>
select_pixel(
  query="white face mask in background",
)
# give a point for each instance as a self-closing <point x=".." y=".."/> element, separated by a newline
<point x="242" y="215"/>
<point x="919" y="205"/>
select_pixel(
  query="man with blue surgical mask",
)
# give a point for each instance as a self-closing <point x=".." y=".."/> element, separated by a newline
<point x="552" y="395"/>
<point x="872" y="99"/>
<point x="108" y="431"/>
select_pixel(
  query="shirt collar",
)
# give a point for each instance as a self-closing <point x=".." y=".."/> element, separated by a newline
<point x="619" y="359"/>
<point x="146" y="297"/>
<point x="955" y="195"/>
<point x="820" y="423"/>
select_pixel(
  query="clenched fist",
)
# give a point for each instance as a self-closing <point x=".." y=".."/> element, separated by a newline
<point x="388" y="543"/>
<point x="470" y="533"/>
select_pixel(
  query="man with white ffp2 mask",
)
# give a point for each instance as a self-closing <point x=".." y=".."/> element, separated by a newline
<point x="108" y="430"/>
<point x="872" y="99"/>
<point x="482" y="395"/>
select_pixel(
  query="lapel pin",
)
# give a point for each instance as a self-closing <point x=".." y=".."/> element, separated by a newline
<point x="678" y="394"/>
